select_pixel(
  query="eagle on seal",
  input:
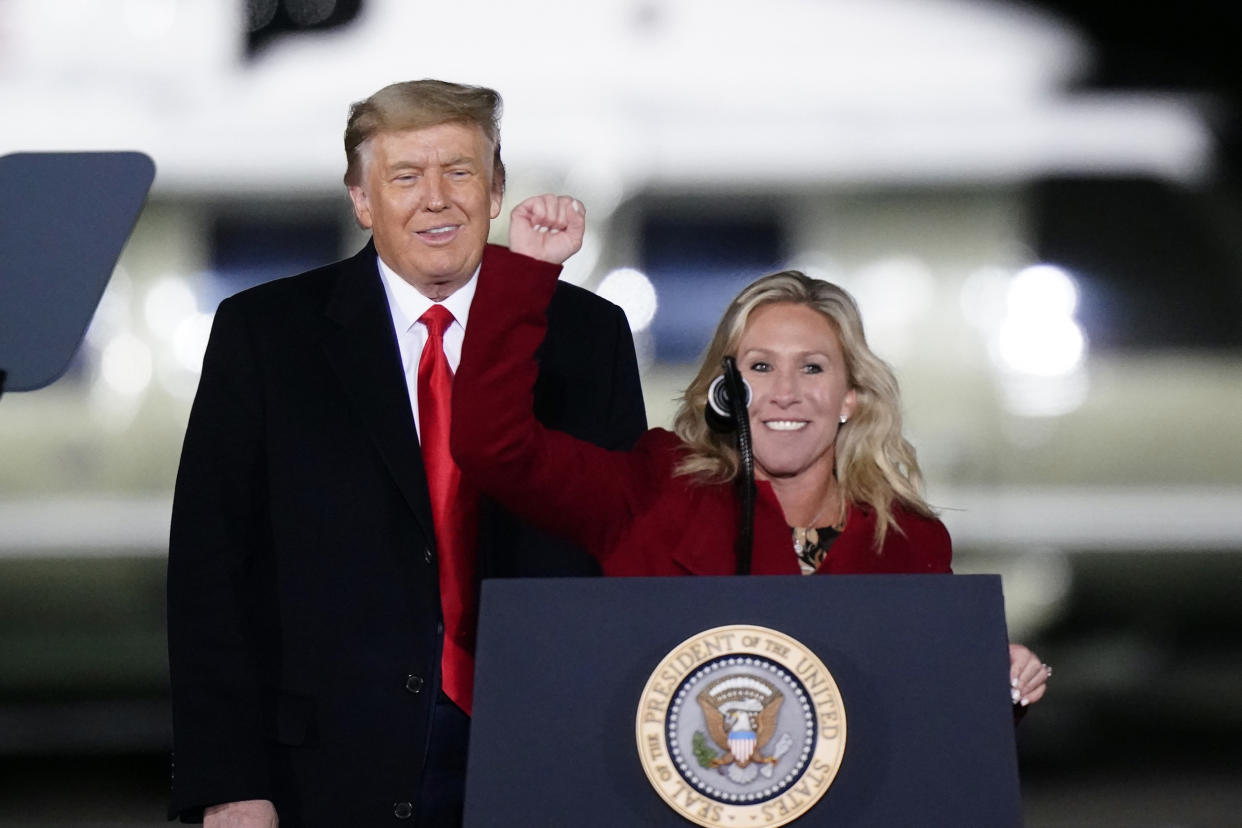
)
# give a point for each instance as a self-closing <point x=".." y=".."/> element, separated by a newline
<point x="740" y="713"/>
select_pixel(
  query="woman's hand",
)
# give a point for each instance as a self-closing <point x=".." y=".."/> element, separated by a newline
<point x="1028" y="676"/>
<point x="547" y="227"/>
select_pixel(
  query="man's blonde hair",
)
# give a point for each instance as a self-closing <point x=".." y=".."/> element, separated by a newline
<point x="417" y="105"/>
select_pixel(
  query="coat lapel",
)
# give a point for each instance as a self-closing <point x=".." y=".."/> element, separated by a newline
<point x="362" y="352"/>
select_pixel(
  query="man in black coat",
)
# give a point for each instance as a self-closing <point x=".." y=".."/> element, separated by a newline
<point x="305" y="612"/>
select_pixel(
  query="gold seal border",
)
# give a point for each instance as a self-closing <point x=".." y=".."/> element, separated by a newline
<point x="740" y="640"/>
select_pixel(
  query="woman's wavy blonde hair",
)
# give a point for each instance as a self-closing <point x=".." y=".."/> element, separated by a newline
<point x="875" y="464"/>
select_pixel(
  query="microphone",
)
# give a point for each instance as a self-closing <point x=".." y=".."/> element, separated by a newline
<point x="726" y="418"/>
<point x="720" y="414"/>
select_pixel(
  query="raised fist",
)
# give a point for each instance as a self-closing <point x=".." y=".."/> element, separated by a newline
<point x="547" y="227"/>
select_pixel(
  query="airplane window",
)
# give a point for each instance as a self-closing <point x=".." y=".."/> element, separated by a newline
<point x="1151" y="262"/>
<point x="250" y="250"/>
<point x="696" y="264"/>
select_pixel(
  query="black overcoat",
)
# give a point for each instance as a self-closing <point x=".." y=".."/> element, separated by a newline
<point x="303" y="612"/>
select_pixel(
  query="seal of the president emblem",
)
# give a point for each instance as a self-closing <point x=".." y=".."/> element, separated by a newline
<point x="742" y="726"/>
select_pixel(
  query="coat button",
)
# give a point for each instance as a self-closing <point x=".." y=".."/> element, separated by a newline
<point x="427" y="554"/>
<point x="414" y="684"/>
<point x="402" y="810"/>
<point x="439" y="628"/>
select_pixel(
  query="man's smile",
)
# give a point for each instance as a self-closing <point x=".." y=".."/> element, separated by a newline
<point x="439" y="235"/>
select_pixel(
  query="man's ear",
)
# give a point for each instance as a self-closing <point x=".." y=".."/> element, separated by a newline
<point x="362" y="206"/>
<point x="498" y="194"/>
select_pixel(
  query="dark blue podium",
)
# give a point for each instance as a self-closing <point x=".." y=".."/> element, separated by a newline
<point x="921" y="663"/>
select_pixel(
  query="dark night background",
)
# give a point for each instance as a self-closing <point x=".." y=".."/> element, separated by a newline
<point x="1156" y="761"/>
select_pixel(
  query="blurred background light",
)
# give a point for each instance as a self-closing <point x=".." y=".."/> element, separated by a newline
<point x="179" y="366"/>
<point x="1048" y="346"/>
<point x="983" y="297"/>
<point x="126" y="365"/>
<point x="189" y="341"/>
<point x="168" y="303"/>
<point x="893" y="293"/>
<point x="598" y="177"/>
<point x="1042" y="291"/>
<point x="1036" y="395"/>
<point x="819" y="264"/>
<point x="580" y="266"/>
<point x="112" y="313"/>
<point x="1038" y="335"/>
<point x="633" y="292"/>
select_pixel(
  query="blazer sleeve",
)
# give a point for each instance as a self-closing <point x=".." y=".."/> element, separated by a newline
<point x="215" y="559"/>
<point x="558" y="482"/>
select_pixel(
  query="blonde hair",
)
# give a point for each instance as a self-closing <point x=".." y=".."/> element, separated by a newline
<point x="417" y="105"/>
<point x="875" y="465"/>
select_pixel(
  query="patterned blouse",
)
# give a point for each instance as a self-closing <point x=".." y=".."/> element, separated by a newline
<point x="811" y="545"/>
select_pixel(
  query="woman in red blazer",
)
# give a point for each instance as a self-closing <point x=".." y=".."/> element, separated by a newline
<point x="837" y="486"/>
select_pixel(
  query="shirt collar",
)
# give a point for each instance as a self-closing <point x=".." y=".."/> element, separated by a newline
<point x="410" y="304"/>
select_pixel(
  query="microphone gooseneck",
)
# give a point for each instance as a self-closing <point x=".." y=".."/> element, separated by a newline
<point x="738" y="391"/>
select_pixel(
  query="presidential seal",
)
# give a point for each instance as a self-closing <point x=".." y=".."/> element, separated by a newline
<point x="741" y="726"/>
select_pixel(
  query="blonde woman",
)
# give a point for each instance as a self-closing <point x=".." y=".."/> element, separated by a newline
<point x="837" y="486"/>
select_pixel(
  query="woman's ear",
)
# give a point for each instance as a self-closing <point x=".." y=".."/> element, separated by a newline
<point x="848" y="405"/>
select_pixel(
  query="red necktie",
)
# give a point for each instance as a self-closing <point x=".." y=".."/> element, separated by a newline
<point x="452" y="510"/>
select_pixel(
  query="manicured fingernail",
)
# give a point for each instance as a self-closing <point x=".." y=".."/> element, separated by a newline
<point x="1015" y="695"/>
<point x="1025" y="702"/>
<point x="577" y="206"/>
<point x="543" y="229"/>
<point x="1013" y="681"/>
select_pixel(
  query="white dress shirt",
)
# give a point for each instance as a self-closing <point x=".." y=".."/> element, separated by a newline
<point x="406" y="305"/>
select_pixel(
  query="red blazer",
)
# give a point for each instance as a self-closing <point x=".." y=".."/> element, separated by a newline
<point x="627" y="508"/>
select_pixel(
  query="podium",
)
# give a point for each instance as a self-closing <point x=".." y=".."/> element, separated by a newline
<point x="920" y="663"/>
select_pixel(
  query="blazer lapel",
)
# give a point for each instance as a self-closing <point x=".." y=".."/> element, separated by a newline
<point x="363" y="354"/>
